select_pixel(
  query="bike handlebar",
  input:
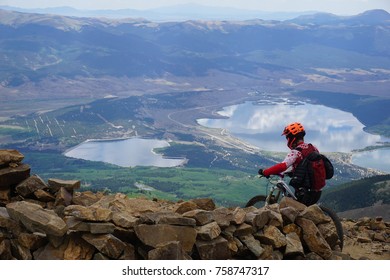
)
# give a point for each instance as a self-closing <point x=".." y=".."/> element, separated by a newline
<point x="278" y="175"/>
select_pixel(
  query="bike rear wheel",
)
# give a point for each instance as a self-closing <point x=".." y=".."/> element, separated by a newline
<point x="337" y="223"/>
<point x="258" y="201"/>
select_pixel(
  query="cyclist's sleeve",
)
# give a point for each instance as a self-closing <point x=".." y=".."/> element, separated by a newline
<point x="289" y="160"/>
<point x="276" y="169"/>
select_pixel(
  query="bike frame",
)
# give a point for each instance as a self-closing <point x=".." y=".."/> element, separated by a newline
<point x="279" y="187"/>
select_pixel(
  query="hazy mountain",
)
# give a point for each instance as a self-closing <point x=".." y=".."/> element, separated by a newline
<point x="34" y="46"/>
<point x="169" y="13"/>
<point x="373" y="17"/>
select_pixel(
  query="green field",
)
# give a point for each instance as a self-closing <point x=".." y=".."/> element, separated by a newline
<point x="225" y="187"/>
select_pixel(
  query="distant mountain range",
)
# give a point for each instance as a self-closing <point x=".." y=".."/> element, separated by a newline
<point x="170" y="13"/>
<point x="372" y="17"/>
<point x="35" y="46"/>
<point x="200" y="12"/>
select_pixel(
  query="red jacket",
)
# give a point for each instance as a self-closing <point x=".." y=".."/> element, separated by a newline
<point x="293" y="158"/>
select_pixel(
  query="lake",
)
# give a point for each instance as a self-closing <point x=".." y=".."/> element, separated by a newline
<point x="378" y="159"/>
<point x="126" y="152"/>
<point x="331" y="130"/>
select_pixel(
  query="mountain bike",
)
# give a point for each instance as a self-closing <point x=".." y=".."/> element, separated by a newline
<point x="278" y="188"/>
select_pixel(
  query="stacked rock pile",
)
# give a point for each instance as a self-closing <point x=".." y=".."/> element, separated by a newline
<point x="54" y="220"/>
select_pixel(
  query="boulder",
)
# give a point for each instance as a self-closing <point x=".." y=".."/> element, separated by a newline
<point x="154" y="235"/>
<point x="12" y="176"/>
<point x="293" y="245"/>
<point x="10" y="156"/>
<point x="252" y="244"/>
<point x="313" y="238"/>
<point x="204" y="203"/>
<point x="201" y="217"/>
<point x="168" y="217"/>
<point x="273" y="236"/>
<point x="243" y="229"/>
<point x="78" y="249"/>
<point x="28" y="186"/>
<point x="107" y="244"/>
<point x="169" y="251"/>
<point x="315" y="214"/>
<point x="11" y="226"/>
<point x="35" y="218"/>
<point x="222" y="216"/>
<point x="186" y="206"/>
<point x="92" y="214"/>
<point x="86" y="198"/>
<point x="216" y="249"/>
<point x="125" y="220"/>
<point x="209" y="231"/>
<point x="32" y="241"/>
<point x="69" y="185"/>
<point x="258" y="218"/>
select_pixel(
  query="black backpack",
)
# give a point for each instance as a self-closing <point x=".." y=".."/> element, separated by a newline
<point x="312" y="171"/>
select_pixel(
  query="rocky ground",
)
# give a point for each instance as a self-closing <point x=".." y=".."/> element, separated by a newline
<point x="367" y="238"/>
<point x="54" y="220"/>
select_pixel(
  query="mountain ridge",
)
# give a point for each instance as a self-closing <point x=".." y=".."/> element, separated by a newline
<point x="169" y="13"/>
<point x="369" y="17"/>
<point x="88" y="47"/>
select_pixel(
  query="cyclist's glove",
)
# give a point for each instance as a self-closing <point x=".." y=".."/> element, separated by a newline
<point x="261" y="173"/>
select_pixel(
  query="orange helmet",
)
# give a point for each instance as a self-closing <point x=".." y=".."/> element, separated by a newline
<point x="293" y="131"/>
<point x="293" y="128"/>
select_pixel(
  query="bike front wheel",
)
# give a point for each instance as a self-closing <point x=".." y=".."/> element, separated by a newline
<point x="258" y="201"/>
<point x="337" y="223"/>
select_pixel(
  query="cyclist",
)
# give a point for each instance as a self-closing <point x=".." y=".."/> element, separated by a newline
<point x="295" y="133"/>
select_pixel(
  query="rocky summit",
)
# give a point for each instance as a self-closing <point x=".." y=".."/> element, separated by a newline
<point x="54" y="220"/>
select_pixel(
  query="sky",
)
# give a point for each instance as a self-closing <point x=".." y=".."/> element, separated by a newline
<point x="339" y="7"/>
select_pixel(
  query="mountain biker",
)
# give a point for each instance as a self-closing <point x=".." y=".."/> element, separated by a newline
<point x="294" y="133"/>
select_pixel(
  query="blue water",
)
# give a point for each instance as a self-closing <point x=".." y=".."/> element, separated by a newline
<point x="331" y="130"/>
<point x="377" y="159"/>
<point x="126" y="153"/>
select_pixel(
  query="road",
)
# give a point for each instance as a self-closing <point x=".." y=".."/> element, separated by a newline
<point x="212" y="133"/>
